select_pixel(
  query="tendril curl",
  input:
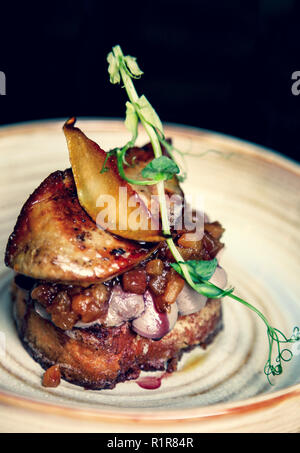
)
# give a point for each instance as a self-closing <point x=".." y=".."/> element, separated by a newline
<point x="283" y="355"/>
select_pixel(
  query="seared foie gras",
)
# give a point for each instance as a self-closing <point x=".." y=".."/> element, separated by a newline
<point x="54" y="239"/>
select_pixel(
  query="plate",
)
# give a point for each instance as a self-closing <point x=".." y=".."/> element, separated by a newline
<point x="254" y="193"/>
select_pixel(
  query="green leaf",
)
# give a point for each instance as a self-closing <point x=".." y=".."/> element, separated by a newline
<point x="131" y="121"/>
<point x="182" y="178"/>
<point x="147" y="112"/>
<point x="113" y="68"/>
<point x="133" y="67"/>
<point x="160" y="169"/>
<point x="200" y="271"/>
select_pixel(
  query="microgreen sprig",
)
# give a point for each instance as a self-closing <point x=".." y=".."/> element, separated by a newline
<point x="201" y="272"/>
<point x="138" y="108"/>
<point x="197" y="273"/>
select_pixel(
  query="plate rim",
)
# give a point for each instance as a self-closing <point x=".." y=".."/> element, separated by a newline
<point x="32" y="125"/>
<point x="211" y="412"/>
<point x="205" y="413"/>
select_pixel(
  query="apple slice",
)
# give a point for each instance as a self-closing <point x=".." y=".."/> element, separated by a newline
<point x="108" y="199"/>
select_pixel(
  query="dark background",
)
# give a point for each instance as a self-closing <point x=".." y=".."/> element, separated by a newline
<point x="220" y="65"/>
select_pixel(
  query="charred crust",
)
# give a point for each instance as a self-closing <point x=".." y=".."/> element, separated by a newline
<point x="117" y="252"/>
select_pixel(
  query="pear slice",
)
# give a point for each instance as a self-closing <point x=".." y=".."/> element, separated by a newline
<point x="108" y="199"/>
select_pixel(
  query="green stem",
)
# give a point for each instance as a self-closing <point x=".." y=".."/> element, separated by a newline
<point x="180" y="260"/>
<point x="134" y="98"/>
<point x="242" y="301"/>
<point x="129" y="87"/>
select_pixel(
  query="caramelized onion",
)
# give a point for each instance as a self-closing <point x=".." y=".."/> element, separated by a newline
<point x="153" y="324"/>
<point x="123" y="307"/>
<point x="189" y="301"/>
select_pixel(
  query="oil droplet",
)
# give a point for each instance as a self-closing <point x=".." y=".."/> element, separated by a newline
<point x="193" y="363"/>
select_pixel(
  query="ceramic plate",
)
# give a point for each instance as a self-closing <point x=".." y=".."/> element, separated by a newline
<point x="254" y="193"/>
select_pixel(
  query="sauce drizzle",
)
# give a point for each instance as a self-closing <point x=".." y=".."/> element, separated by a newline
<point x="152" y="382"/>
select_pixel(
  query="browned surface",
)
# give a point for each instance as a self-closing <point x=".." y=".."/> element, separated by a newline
<point x="100" y="357"/>
<point x="54" y="238"/>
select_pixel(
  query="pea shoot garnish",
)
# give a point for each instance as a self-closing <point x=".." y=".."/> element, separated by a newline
<point x="197" y="273"/>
